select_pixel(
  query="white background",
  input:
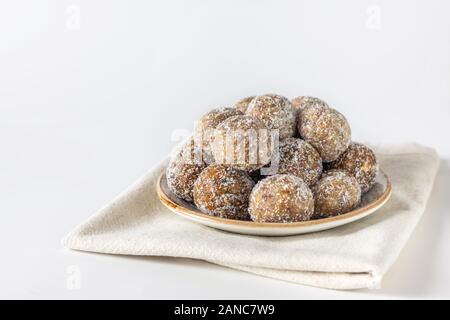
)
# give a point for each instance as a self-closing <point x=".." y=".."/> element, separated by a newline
<point x="87" y="108"/>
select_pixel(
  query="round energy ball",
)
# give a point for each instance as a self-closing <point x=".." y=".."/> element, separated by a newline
<point x="242" y="142"/>
<point x="325" y="129"/>
<point x="242" y="104"/>
<point x="303" y="101"/>
<point x="183" y="169"/>
<point x="281" y="198"/>
<point x="360" y="161"/>
<point x="223" y="192"/>
<point x="337" y="192"/>
<point x="207" y="124"/>
<point x="275" y="112"/>
<point x="299" y="158"/>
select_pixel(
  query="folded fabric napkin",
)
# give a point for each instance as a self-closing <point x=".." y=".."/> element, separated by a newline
<point x="353" y="256"/>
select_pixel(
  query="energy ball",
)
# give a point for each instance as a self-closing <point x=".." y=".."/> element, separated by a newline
<point x="337" y="192"/>
<point x="300" y="102"/>
<point x="242" y="142"/>
<point x="281" y="198"/>
<point x="183" y="170"/>
<point x="275" y="112"/>
<point x="207" y="124"/>
<point x="242" y="104"/>
<point x="223" y="192"/>
<point x="299" y="158"/>
<point x="360" y="161"/>
<point x="325" y="129"/>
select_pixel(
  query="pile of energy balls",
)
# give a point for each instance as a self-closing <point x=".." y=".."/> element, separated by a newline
<point x="269" y="159"/>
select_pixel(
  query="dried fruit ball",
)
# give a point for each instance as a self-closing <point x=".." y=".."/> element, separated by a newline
<point x="337" y="192"/>
<point x="325" y="129"/>
<point x="208" y="123"/>
<point x="242" y="104"/>
<point x="299" y="158"/>
<point x="281" y="198"/>
<point x="223" y="192"/>
<point x="183" y="170"/>
<point x="303" y="101"/>
<point x="275" y="112"/>
<point x="242" y="142"/>
<point x="360" y="161"/>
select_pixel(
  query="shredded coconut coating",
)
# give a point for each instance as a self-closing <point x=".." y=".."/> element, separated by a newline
<point x="337" y="192"/>
<point x="360" y="161"/>
<point x="299" y="158"/>
<point x="275" y="112"/>
<point x="281" y="198"/>
<point x="300" y="102"/>
<point x="223" y="192"/>
<point x="242" y="104"/>
<point x="325" y="129"/>
<point x="235" y="146"/>
<point x="183" y="170"/>
<point x="208" y="123"/>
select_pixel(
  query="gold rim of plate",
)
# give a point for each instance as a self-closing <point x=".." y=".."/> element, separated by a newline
<point x="165" y="199"/>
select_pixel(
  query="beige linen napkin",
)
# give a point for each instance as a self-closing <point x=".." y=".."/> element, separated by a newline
<point x="353" y="256"/>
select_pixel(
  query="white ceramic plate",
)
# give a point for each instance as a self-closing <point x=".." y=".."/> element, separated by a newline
<point x="371" y="202"/>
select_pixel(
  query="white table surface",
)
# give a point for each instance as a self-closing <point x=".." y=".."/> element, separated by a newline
<point x="86" y="109"/>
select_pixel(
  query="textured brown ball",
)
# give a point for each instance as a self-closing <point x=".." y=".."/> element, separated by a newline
<point x="337" y="192"/>
<point x="183" y="170"/>
<point x="281" y="198"/>
<point x="303" y="101"/>
<point x="275" y="112"/>
<point x="299" y="158"/>
<point x="242" y="104"/>
<point x="360" y="161"/>
<point x="205" y="127"/>
<point x="325" y="129"/>
<point x="242" y="142"/>
<point x="223" y="192"/>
